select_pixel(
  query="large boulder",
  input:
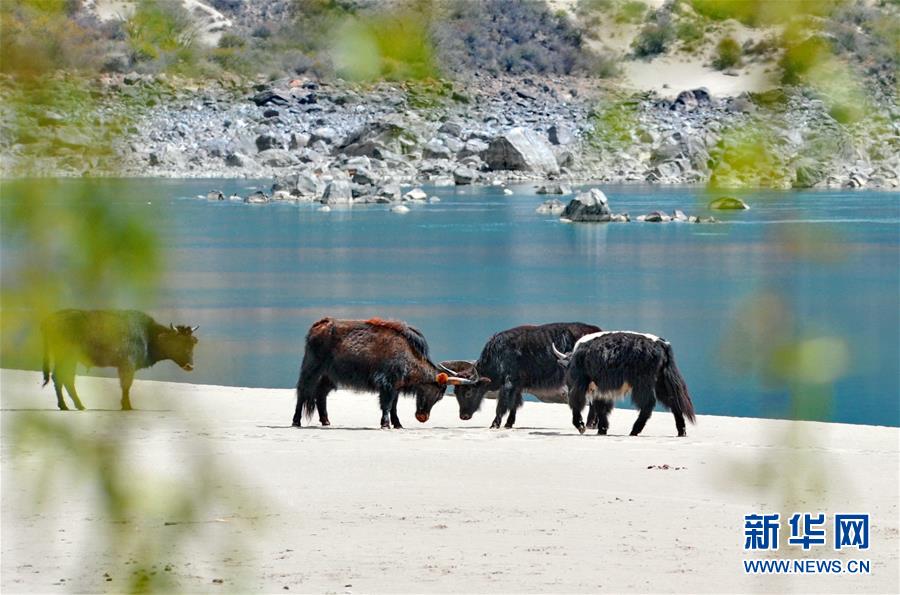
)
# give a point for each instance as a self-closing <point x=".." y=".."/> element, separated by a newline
<point x="561" y="134"/>
<point x="435" y="149"/>
<point x="521" y="149"/>
<point x="808" y="173"/>
<point x="463" y="176"/>
<point x="728" y="203"/>
<point x="337" y="192"/>
<point x="588" y="206"/>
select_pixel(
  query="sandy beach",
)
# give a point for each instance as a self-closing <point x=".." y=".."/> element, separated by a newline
<point x="446" y="506"/>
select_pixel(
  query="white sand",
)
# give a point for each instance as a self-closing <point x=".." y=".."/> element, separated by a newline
<point x="448" y="506"/>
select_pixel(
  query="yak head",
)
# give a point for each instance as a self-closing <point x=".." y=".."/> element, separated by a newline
<point x="177" y="344"/>
<point x="429" y="393"/>
<point x="470" y="393"/>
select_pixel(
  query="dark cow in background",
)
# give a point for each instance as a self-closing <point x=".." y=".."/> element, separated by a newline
<point x="619" y="362"/>
<point x="124" y="339"/>
<point x="383" y="356"/>
<point x="514" y="361"/>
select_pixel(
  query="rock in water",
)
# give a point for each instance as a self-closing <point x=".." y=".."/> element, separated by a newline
<point x="400" y="209"/>
<point x="588" y="206"/>
<point x="554" y="206"/>
<point x="554" y="188"/>
<point x="215" y="195"/>
<point x="416" y="195"/>
<point x="257" y="198"/>
<point x="728" y="203"/>
<point x="521" y="149"/>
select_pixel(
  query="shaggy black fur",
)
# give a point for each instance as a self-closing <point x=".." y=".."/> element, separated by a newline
<point x="616" y="360"/>
<point x="387" y="357"/>
<point x="124" y="339"/>
<point x="519" y="360"/>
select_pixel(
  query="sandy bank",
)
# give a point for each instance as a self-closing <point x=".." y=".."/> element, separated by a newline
<point x="447" y="506"/>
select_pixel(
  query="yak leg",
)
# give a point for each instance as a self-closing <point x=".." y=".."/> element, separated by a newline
<point x="592" y="415"/>
<point x="645" y="398"/>
<point x="601" y="408"/>
<point x="395" y="420"/>
<point x="126" y="376"/>
<point x="324" y="387"/>
<point x="69" y="381"/>
<point x="388" y="399"/>
<point x="60" y="375"/>
<point x="516" y="402"/>
<point x="577" y="401"/>
<point x="503" y="403"/>
<point x="679" y="423"/>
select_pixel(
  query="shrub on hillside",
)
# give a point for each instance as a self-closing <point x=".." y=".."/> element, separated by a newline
<point x="728" y="54"/>
<point x="654" y="38"/>
<point x="506" y="37"/>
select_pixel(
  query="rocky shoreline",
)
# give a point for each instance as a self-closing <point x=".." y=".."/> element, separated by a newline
<point x="337" y="142"/>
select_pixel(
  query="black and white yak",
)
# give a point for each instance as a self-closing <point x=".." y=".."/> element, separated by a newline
<point x="384" y="356"/>
<point x="619" y="362"/>
<point x="514" y="361"/>
<point x="127" y="340"/>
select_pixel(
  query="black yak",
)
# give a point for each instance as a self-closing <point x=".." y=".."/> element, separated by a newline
<point x="514" y="361"/>
<point x="383" y="356"/>
<point x="124" y="339"/>
<point x="619" y="362"/>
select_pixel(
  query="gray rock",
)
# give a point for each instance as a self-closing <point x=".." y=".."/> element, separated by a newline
<point x="435" y="149"/>
<point x="453" y="129"/>
<point x="521" y="149"/>
<point x="363" y="175"/>
<point x="464" y="175"/>
<point x="561" y="134"/>
<point x="554" y="206"/>
<point x="269" y="97"/>
<point x="267" y="141"/>
<point x="400" y="209"/>
<point x="588" y="206"/>
<point x="325" y="134"/>
<point x="276" y="158"/>
<point x="554" y="188"/>
<point x="656" y="217"/>
<point x="473" y="146"/>
<point x="678" y="215"/>
<point x="338" y="192"/>
<point x="215" y="195"/>
<point x="235" y="197"/>
<point x="299" y="140"/>
<point x="416" y="194"/>
<point x="257" y="198"/>
<point x="728" y="203"/>
<point x="388" y="192"/>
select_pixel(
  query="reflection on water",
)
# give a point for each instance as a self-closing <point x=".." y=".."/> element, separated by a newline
<point x="255" y="277"/>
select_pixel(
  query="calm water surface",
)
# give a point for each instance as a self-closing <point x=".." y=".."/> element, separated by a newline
<point x="255" y="277"/>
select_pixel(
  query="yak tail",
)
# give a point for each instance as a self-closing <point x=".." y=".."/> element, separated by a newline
<point x="673" y="388"/>
<point x="46" y="363"/>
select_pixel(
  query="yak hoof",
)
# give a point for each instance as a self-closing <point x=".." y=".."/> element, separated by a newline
<point x="385" y="425"/>
<point x="63" y="408"/>
<point x="592" y="425"/>
<point x="325" y="422"/>
<point x="508" y="426"/>
<point x="602" y="431"/>
<point x="397" y="426"/>
<point x="682" y="434"/>
<point x="581" y="428"/>
<point x="495" y="425"/>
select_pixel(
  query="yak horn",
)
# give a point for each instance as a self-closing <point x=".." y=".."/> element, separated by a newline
<point x="194" y="328"/>
<point x="559" y="354"/>
<point x="171" y="326"/>
<point x="448" y="370"/>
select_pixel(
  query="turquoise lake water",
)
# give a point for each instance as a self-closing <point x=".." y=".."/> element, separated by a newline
<point x="255" y="277"/>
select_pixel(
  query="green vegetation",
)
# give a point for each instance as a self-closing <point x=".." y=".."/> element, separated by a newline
<point x="728" y="54"/>
<point x="615" y="122"/>
<point x="653" y="39"/>
<point x="630" y="11"/>
<point x="765" y="12"/>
